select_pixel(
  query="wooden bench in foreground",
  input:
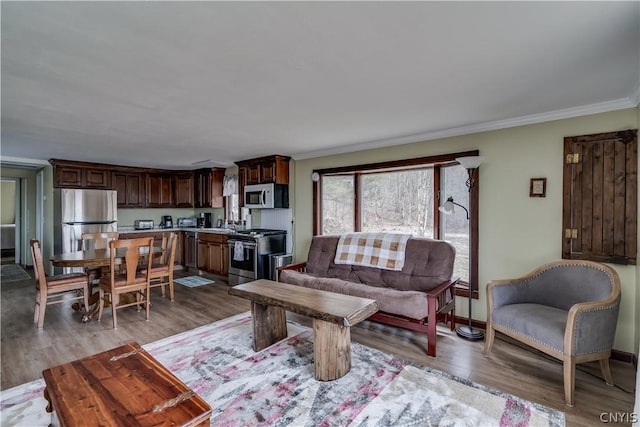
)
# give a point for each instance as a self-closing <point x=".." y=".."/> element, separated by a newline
<point x="333" y="315"/>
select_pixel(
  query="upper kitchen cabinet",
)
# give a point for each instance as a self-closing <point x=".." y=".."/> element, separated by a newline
<point x="144" y="187"/>
<point x="263" y="170"/>
<point x="79" y="175"/>
<point x="183" y="189"/>
<point x="208" y="188"/>
<point x="159" y="190"/>
<point x="130" y="188"/>
<point x="270" y="169"/>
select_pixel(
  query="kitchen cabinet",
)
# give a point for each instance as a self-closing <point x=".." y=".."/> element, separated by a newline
<point x="179" y="248"/>
<point x="183" y="190"/>
<point x="79" y="175"/>
<point x="67" y="176"/>
<point x="269" y="169"/>
<point x="97" y="179"/>
<point x="213" y="253"/>
<point x="252" y="174"/>
<point x="275" y="169"/>
<point x="130" y="188"/>
<point x="144" y="187"/>
<point x="208" y="188"/>
<point x="262" y="170"/>
<point x="190" y="247"/>
<point x="159" y="191"/>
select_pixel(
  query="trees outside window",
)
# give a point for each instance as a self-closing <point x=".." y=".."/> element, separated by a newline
<point x="402" y="197"/>
<point x="338" y="204"/>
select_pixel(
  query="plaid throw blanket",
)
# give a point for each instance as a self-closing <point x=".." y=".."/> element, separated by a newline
<point x="379" y="250"/>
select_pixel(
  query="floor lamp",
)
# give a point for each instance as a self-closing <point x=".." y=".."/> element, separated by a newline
<point x="470" y="163"/>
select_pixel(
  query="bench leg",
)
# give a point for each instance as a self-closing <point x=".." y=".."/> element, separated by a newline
<point x="331" y="350"/>
<point x="269" y="325"/>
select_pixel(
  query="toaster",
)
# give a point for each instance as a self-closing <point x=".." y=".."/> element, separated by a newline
<point x="187" y="222"/>
<point x="143" y="224"/>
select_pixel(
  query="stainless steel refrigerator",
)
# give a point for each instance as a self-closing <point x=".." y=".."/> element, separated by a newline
<point x="82" y="211"/>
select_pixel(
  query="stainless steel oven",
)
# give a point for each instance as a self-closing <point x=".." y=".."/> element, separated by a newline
<point x="249" y="252"/>
<point x="243" y="260"/>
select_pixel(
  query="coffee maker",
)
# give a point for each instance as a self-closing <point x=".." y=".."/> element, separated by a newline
<point x="167" y="222"/>
<point x="205" y="220"/>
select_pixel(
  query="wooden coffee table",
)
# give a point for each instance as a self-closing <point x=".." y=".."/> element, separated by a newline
<point x="333" y="315"/>
<point x="124" y="386"/>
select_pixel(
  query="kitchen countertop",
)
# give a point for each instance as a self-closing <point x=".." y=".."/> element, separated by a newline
<point x="124" y="230"/>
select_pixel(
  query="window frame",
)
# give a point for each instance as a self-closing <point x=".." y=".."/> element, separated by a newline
<point x="437" y="162"/>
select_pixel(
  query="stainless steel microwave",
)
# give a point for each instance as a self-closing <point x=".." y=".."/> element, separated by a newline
<point x="266" y="196"/>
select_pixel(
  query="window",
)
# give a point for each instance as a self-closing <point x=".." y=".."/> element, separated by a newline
<point x="398" y="201"/>
<point x="338" y="204"/>
<point x="232" y="207"/>
<point x="455" y="228"/>
<point x="404" y="197"/>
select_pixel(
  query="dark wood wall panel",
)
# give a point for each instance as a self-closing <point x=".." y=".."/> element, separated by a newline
<point x="600" y="197"/>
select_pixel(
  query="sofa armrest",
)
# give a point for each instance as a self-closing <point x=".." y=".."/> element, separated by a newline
<point x="591" y="326"/>
<point x="300" y="266"/>
<point x="442" y="298"/>
<point x="443" y="286"/>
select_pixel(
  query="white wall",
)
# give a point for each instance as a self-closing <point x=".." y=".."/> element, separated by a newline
<point x="517" y="233"/>
<point x="7" y="201"/>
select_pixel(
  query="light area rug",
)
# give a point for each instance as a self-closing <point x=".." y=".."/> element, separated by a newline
<point x="193" y="281"/>
<point x="12" y="273"/>
<point x="276" y="386"/>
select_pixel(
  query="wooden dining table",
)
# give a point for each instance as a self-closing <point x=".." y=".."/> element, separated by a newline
<point x="88" y="259"/>
<point x="91" y="257"/>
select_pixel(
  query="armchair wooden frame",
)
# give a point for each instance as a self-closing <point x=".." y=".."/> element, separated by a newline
<point x="574" y="328"/>
<point x="136" y="277"/>
<point x="53" y="289"/>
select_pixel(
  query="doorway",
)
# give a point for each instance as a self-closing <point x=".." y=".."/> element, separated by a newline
<point x="27" y="201"/>
<point x="9" y="220"/>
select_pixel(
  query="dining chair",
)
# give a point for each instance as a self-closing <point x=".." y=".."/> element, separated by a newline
<point x="135" y="277"/>
<point x="92" y="241"/>
<point x="98" y="240"/>
<point x="52" y="289"/>
<point x="162" y="272"/>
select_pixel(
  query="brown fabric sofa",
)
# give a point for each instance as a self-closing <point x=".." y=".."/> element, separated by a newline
<point x="415" y="298"/>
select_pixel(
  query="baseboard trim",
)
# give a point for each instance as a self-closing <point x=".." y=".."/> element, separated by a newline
<point x="623" y="356"/>
<point x="618" y="355"/>
<point x="475" y="323"/>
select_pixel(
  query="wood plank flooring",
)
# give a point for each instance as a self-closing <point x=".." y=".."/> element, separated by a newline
<point x="25" y="352"/>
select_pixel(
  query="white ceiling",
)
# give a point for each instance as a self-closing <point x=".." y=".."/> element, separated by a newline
<point x="169" y="84"/>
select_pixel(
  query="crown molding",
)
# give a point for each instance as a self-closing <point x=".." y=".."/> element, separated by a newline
<point x="567" y="113"/>
<point x="22" y="162"/>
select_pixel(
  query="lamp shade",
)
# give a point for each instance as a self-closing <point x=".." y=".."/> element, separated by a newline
<point x="447" y="207"/>
<point x="470" y="162"/>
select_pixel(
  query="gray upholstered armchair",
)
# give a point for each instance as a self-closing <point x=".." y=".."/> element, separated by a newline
<point x="566" y="309"/>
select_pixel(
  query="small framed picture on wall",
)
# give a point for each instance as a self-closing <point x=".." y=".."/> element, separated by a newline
<point x="538" y="187"/>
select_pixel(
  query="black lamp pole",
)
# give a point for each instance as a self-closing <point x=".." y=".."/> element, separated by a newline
<point x="468" y="332"/>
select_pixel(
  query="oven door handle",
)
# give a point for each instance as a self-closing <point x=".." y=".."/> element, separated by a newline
<point x="250" y="245"/>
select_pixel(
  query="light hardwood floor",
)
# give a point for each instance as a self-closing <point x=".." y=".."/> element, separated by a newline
<point x="25" y="351"/>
